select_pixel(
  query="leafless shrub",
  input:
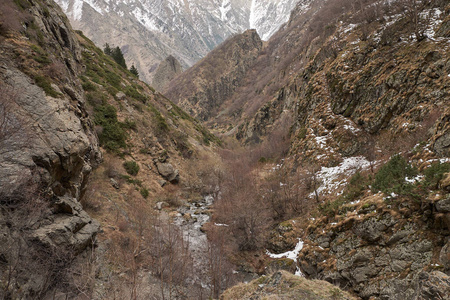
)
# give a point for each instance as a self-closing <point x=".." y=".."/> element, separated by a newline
<point x="11" y="17"/>
<point x="56" y="70"/>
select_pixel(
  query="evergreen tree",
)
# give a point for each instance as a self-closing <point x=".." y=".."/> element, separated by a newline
<point x="107" y="49"/>
<point x="134" y="71"/>
<point x="117" y="55"/>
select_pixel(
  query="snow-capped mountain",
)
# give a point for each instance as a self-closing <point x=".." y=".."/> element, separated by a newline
<point x="150" y="30"/>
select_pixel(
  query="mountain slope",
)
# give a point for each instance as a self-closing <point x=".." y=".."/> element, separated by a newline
<point x="202" y="89"/>
<point x="72" y="124"/>
<point x="349" y="87"/>
<point x="149" y="31"/>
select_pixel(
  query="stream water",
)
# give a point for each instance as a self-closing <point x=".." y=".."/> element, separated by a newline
<point x="190" y="219"/>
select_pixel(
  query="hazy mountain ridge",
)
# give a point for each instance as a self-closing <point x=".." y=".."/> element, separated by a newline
<point x="150" y="31"/>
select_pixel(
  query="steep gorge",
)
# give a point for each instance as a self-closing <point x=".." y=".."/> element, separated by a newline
<point x="351" y="92"/>
<point x="325" y="108"/>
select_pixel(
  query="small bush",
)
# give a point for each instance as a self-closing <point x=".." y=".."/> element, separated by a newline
<point x="355" y="188"/>
<point x="391" y="177"/>
<point x="161" y="126"/>
<point x="112" y="136"/>
<point x="435" y="173"/>
<point x="89" y="86"/>
<point x="131" y="180"/>
<point x="113" y="79"/>
<point x="144" y="192"/>
<point x="129" y="124"/>
<point x="131" y="167"/>
<point x="44" y="83"/>
<point x="132" y="92"/>
<point x="95" y="98"/>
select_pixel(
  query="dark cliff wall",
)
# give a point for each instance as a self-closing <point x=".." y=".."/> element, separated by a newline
<point x="48" y="149"/>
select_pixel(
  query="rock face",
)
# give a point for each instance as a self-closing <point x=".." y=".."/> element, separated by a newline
<point x="48" y="148"/>
<point x="379" y="253"/>
<point x="149" y="31"/>
<point x="202" y="89"/>
<point x="167" y="70"/>
<point x="434" y="285"/>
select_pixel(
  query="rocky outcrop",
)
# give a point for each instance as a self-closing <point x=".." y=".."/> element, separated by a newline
<point x="48" y="149"/>
<point x="202" y="89"/>
<point x="434" y="285"/>
<point x="283" y="285"/>
<point x="378" y="252"/>
<point x="167" y="70"/>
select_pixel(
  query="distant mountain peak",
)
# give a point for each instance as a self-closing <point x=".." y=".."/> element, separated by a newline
<point x="188" y="29"/>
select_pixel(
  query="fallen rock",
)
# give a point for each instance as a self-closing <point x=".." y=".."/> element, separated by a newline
<point x="120" y="95"/>
<point x="72" y="227"/>
<point x="443" y="205"/>
<point x="160" y="205"/>
<point x="167" y="171"/>
<point x="114" y="183"/>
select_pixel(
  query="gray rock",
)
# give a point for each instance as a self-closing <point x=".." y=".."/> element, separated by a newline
<point x="442" y="144"/>
<point x="71" y="228"/>
<point x="160" y="205"/>
<point x="372" y="229"/>
<point x="434" y="285"/>
<point x="114" y="183"/>
<point x="444" y="256"/>
<point x="167" y="171"/>
<point x="443" y="205"/>
<point x="120" y="96"/>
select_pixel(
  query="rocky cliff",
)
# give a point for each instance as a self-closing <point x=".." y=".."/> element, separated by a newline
<point x="48" y="149"/>
<point x="353" y="91"/>
<point x="167" y="70"/>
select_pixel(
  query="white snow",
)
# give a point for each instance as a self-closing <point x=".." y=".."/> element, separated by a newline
<point x="289" y="254"/>
<point x="218" y="224"/>
<point x="330" y="176"/>
<point x="77" y="10"/>
<point x="144" y="18"/>
<point x="224" y="9"/>
<point x="413" y="180"/>
<point x="349" y="28"/>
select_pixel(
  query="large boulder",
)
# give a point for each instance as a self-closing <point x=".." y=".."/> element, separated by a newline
<point x="168" y="172"/>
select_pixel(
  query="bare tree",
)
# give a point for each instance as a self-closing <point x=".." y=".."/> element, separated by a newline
<point x="412" y="10"/>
